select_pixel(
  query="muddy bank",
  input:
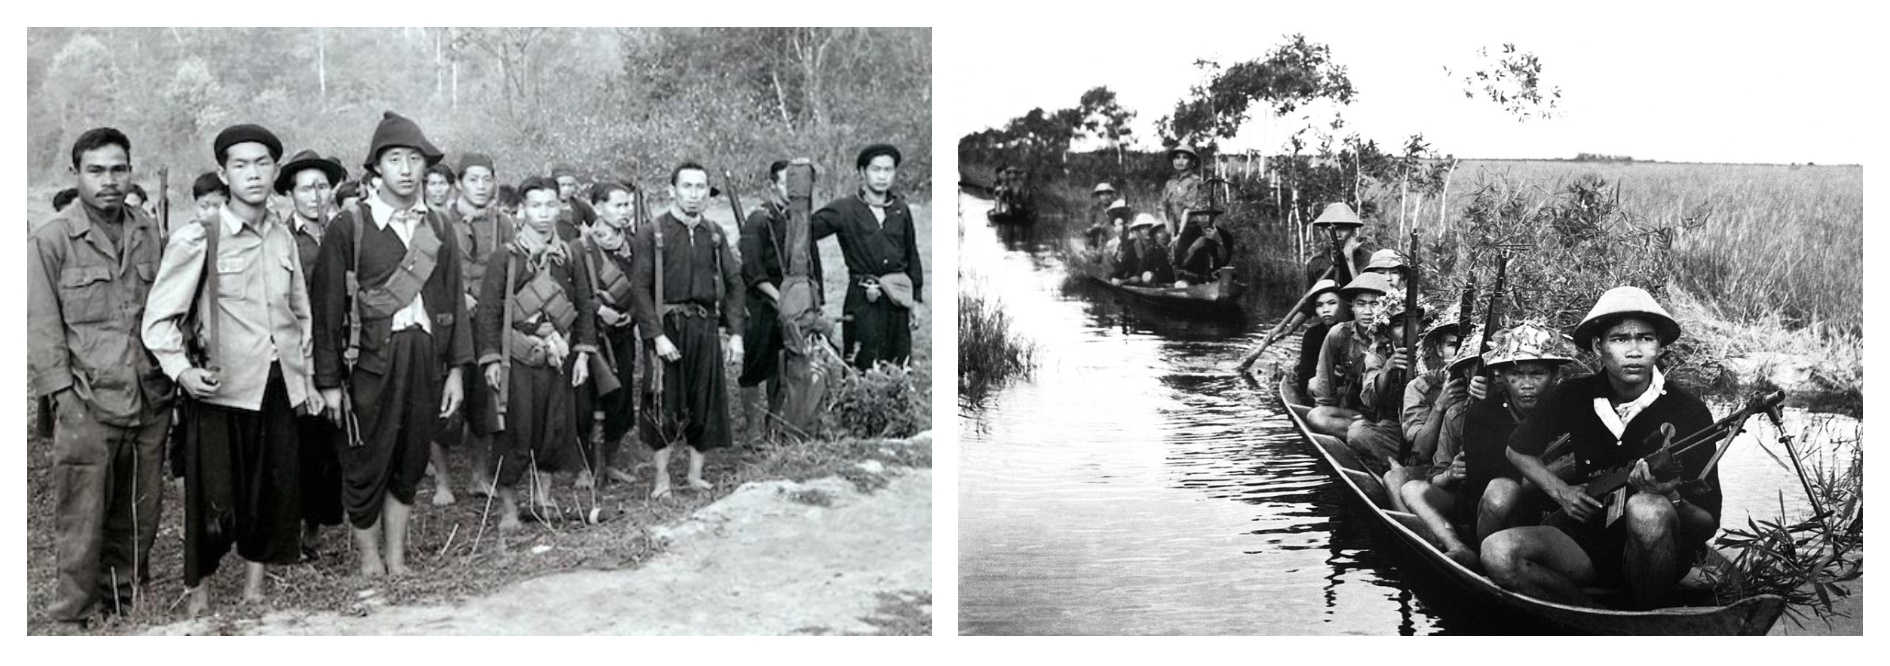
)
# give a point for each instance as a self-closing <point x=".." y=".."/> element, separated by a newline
<point x="773" y="557"/>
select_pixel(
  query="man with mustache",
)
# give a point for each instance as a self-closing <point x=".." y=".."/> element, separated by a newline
<point x="307" y="178"/>
<point x="412" y="345"/>
<point x="1648" y="532"/>
<point x="701" y="283"/>
<point x="88" y="272"/>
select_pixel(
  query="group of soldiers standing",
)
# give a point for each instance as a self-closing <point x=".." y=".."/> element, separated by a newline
<point x="326" y="356"/>
<point x="1482" y="443"/>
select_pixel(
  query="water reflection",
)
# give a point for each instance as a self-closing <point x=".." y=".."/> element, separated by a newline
<point x="1133" y="485"/>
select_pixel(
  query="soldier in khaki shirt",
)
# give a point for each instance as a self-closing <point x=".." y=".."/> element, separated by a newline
<point x="87" y="273"/>
<point x="241" y="457"/>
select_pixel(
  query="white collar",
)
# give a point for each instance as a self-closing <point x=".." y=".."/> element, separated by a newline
<point x="233" y="224"/>
<point x="382" y="212"/>
<point x="1617" y="418"/>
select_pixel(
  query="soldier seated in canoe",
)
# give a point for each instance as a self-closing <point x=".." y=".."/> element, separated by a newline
<point x="1378" y="437"/>
<point x="1127" y="258"/>
<point x="1107" y="203"/>
<point x="1344" y="358"/>
<point x="1338" y="226"/>
<point x="1471" y="480"/>
<point x="1647" y="532"/>
<point x="1328" y="310"/>
<point x="1204" y="255"/>
<point x="1118" y="233"/>
<point x="1421" y="412"/>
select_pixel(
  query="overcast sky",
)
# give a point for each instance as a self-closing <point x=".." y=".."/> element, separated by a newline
<point x="1781" y="83"/>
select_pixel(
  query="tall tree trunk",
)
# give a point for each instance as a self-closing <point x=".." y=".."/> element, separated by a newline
<point x="321" y="64"/>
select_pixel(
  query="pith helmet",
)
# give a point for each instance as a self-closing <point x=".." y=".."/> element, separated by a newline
<point x="1626" y="301"/>
<point x="1338" y="214"/>
<point x="1142" y="220"/>
<point x="1367" y="282"/>
<point x="1101" y="188"/>
<point x="1528" y="342"/>
<point x="1445" y="325"/>
<point x="1386" y="258"/>
<point x="1184" y="149"/>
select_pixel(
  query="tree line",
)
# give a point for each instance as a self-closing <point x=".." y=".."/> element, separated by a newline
<point x="613" y="103"/>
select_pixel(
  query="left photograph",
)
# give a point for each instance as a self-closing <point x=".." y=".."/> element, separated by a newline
<point x="472" y="331"/>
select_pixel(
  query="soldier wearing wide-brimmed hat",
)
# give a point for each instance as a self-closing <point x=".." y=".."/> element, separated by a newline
<point x="1645" y="533"/>
<point x="308" y="179"/>
<point x="1337" y="221"/>
<point x="1184" y="192"/>
<point x="390" y="265"/>
<point x="1344" y="358"/>
<point x="1107" y="203"/>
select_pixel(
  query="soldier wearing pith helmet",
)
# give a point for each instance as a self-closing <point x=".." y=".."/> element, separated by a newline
<point x="401" y="371"/>
<point x="1645" y="534"/>
<point x="1337" y="223"/>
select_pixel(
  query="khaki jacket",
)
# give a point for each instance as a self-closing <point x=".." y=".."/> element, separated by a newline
<point x="84" y="299"/>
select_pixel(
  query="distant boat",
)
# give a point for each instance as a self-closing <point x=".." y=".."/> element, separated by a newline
<point x="1752" y="616"/>
<point x="1218" y="296"/>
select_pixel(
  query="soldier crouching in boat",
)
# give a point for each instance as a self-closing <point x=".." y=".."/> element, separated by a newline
<point x="1650" y="530"/>
<point x="1471" y="479"/>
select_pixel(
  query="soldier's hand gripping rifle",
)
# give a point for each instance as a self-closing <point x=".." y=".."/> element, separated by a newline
<point x="655" y="407"/>
<point x="1665" y="462"/>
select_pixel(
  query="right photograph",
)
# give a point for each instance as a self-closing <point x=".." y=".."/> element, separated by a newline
<point x="1385" y="331"/>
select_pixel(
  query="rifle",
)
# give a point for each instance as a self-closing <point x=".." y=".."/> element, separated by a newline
<point x="734" y="199"/>
<point x="1342" y="274"/>
<point x="656" y="361"/>
<point x="164" y="202"/>
<point x="1719" y="435"/>
<point x="1491" y="316"/>
<point x="1398" y="379"/>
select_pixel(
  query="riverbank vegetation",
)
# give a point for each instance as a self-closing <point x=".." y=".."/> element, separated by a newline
<point x="990" y="350"/>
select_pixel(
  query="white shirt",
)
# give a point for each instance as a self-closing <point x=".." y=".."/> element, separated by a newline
<point x="415" y="314"/>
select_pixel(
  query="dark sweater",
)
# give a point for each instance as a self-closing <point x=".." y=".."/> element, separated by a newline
<point x="1569" y="408"/>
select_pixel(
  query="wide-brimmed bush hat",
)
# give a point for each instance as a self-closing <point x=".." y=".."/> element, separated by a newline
<point x="1366" y="282"/>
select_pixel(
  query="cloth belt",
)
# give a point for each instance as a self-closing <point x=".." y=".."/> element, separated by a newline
<point x="687" y="310"/>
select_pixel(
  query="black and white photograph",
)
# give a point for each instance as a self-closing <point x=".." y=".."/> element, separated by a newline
<point x="477" y="331"/>
<point x="1412" y="320"/>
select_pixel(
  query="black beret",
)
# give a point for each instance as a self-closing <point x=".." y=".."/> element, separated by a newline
<point x="536" y="183"/>
<point x="247" y="133"/>
<point x="876" y="150"/>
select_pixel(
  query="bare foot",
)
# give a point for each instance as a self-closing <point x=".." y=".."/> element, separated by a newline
<point x="481" y="486"/>
<point x="508" y="513"/>
<point x="620" y="476"/>
<point x="585" y="481"/>
<point x="661" y="490"/>
<point x="372" y="567"/>
<point x="199" y="601"/>
<point x="442" y="493"/>
<point x="696" y="483"/>
<point x="254" y="576"/>
<point x="398" y="569"/>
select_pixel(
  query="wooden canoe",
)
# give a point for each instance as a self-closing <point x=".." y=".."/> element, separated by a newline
<point x="1752" y="616"/>
<point x="1221" y="294"/>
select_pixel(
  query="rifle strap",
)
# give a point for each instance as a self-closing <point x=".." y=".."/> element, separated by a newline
<point x="208" y="290"/>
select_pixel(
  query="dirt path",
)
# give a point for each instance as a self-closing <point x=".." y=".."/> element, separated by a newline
<point x="772" y="558"/>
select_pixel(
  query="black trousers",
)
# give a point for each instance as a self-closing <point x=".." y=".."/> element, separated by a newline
<point x="242" y="483"/>
<point x="398" y="413"/>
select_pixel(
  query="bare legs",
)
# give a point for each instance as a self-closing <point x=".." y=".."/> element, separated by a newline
<point x="393" y="522"/>
<point x="442" y="490"/>
<point x="1542" y="562"/>
<point x="1431" y="503"/>
<point x="695" y="479"/>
